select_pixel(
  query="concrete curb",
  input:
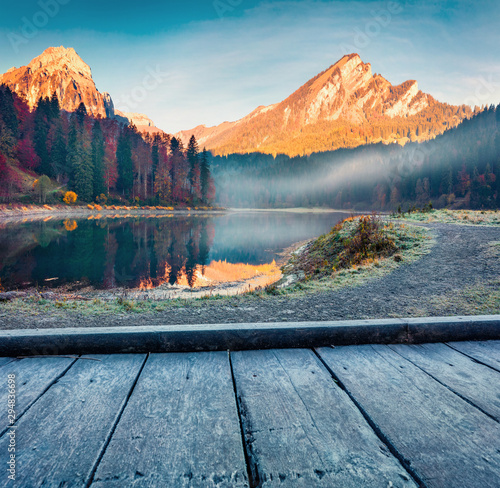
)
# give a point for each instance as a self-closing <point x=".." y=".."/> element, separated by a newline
<point x="186" y="338"/>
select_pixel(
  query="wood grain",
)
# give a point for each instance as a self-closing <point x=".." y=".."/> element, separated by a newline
<point x="487" y="352"/>
<point x="180" y="427"/>
<point x="60" y="437"/>
<point x="470" y="380"/>
<point x="448" y="442"/>
<point x="303" y="430"/>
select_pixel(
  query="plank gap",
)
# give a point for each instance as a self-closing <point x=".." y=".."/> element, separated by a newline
<point x="470" y="402"/>
<point x="115" y="424"/>
<point x="250" y="461"/>
<point x="378" y="432"/>
<point x="478" y="361"/>
<point x="53" y="382"/>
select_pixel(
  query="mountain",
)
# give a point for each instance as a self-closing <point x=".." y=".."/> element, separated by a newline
<point x="62" y="70"/>
<point x="143" y="123"/>
<point x="344" y="106"/>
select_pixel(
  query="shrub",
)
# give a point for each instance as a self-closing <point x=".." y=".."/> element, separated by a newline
<point x="102" y="199"/>
<point x="70" y="197"/>
<point x="350" y="243"/>
<point x="368" y="242"/>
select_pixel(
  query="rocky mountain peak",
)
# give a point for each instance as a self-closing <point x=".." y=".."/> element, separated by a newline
<point x="60" y="70"/>
<point x="59" y="59"/>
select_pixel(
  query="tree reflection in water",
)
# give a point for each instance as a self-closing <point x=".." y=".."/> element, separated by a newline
<point x="146" y="252"/>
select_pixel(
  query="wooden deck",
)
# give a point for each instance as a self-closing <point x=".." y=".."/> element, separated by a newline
<point x="354" y="416"/>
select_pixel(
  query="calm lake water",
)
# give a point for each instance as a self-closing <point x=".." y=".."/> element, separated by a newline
<point x="144" y="253"/>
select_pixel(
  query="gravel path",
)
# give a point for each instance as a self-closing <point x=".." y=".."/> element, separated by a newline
<point x="461" y="262"/>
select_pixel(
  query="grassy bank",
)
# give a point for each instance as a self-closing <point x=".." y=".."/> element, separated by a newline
<point x="462" y="217"/>
<point x="355" y="250"/>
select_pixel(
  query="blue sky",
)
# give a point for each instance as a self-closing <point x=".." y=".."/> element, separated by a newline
<point x="203" y="62"/>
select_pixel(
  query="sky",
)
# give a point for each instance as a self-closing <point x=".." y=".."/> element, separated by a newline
<point x="187" y="63"/>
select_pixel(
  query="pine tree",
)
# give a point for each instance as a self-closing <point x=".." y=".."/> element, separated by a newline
<point x="124" y="161"/>
<point x="80" y="160"/>
<point x="7" y="110"/>
<point x="447" y="181"/>
<point x="81" y="113"/>
<point x="204" y="176"/>
<point x="41" y="135"/>
<point x="54" y="108"/>
<point x="192" y="157"/>
<point x="98" y="151"/>
<point x="176" y="167"/>
<point x="59" y="154"/>
<point x="155" y="156"/>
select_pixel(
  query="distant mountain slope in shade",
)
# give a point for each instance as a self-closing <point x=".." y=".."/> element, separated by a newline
<point x="344" y="106"/>
<point x="62" y="70"/>
<point x="142" y="122"/>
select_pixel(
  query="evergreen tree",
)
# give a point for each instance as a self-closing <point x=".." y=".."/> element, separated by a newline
<point x="80" y="160"/>
<point x="447" y="181"/>
<point x="155" y="156"/>
<point x="176" y="167"/>
<point x="81" y="113"/>
<point x="192" y="157"/>
<point x="41" y="135"/>
<point x="59" y="154"/>
<point x="204" y="175"/>
<point x="125" y="164"/>
<point x="98" y="152"/>
<point x="7" y="140"/>
<point x="54" y="108"/>
<point x="7" y="110"/>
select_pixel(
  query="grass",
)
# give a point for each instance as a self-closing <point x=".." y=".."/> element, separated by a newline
<point x="355" y="250"/>
<point x="462" y="217"/>
<point x="477" y="299"/>
<point x="33" y="306"/>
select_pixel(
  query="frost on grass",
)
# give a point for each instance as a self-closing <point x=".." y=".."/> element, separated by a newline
<point x="462" y="217"/>
<point x="356" y="249"/>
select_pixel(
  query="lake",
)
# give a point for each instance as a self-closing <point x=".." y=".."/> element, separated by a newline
<point x="145" y="253"/>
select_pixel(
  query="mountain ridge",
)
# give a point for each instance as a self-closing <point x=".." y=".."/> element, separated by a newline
<point x="345" y="95"/>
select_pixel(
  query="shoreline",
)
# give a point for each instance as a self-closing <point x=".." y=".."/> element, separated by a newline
<point x="21" y="213"/>
<point x="162" y="292"/>
<point x="36" y="212"/>
<point x="467" y="283"/>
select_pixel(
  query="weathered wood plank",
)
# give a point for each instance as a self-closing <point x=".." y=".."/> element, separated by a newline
<point x="447" y="441"/>
<point x="33" y="377"/>
<point x="180" y="427"/>
<point x="61" y="436"/>
<point x="4" y="361"/>
<point x="473" y="381"/>
<point x="488" y="352"/>
<point x="302" y="430"/>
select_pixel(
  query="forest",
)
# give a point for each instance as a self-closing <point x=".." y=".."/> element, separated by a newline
<point x="47" y="152"/>
<point x="458" y="169"/>
<point x="329" y="135"/>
